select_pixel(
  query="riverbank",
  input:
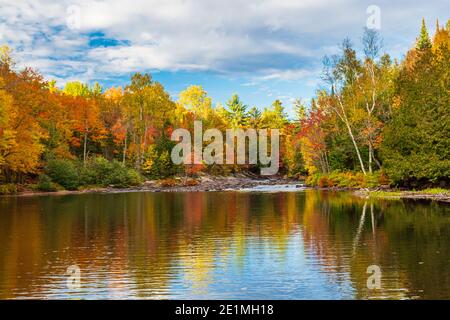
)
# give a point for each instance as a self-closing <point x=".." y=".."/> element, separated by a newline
<point x="203" y="183"/>
<point x="436" y="194"/>
<point x="214" y="183"/>
<point x="243" y="182"/>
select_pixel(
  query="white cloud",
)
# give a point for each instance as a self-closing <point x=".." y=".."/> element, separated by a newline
<point x="259" y="37"/>
<point x="287" y="75"/>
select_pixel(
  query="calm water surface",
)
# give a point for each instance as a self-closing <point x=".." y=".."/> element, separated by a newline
<point x="229" y="245"/>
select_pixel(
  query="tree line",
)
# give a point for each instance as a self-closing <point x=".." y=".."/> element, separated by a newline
<point x="387" y="120"/>
<point x="373" y="121"/>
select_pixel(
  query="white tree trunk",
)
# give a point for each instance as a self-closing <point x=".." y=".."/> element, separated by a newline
<point x="125" y="148"/>
<point x="356" y="147"/>
<point x="85" y="147"/>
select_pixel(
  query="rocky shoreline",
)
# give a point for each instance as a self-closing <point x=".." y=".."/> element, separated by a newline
<point x="201" y="184"/>
<point x="244" y="182"/>
<point x="217" y="183"/>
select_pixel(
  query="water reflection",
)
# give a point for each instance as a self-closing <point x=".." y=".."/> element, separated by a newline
<point x="293" y="245"/>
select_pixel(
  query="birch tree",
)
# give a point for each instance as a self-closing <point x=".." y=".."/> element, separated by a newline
<point x="340" y="73"/>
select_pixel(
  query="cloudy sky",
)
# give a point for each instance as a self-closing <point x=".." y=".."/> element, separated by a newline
<point x="261" y="49"/>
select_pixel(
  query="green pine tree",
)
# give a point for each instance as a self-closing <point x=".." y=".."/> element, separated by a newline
<point x="423" y="42"/>
<point x="299" y="109"/>
<point x="254" y="117"/>
<point x="237" y="112"/>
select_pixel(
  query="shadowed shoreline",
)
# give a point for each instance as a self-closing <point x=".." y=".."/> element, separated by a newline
<point x="243" y="182"/>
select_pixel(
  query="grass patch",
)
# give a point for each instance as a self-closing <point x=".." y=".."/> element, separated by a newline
<point x="347" y="179"/>
<point x="385" y="194"/>
<point x="434" y="191"/>
<point x="390" y="194"/>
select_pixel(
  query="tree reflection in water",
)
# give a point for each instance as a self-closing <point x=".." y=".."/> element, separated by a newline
<point x="299" y="245"/>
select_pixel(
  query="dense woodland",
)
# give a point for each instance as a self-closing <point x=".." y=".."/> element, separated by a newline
<point x="374" y="121"/>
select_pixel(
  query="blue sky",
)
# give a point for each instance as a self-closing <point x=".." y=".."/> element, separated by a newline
<point x="261" y="49"/>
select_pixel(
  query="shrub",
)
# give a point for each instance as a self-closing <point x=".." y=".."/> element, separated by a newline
<point x="169" y="182"/>
<point x="45" y="183"/>
<point x="158" y="163"/>
<point x="344" y="180"/>
<point x="95" y="171"/>
<point x="373" y="180"/>
<point x="191" y="182"/>
<point x="313" y="180"/>
<point x="323" y="182"/>
<point x="383" y="178"/>
<point x="100" y="171"/>
<point x="63" y="172"/>
<point x="212" y="169"/>
<point x="121" y="176"/>
<point x="359" y="181"/>
<point x="7" y="189"/>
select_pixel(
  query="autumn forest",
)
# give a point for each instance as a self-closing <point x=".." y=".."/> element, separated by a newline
<point x="374" y="121"/>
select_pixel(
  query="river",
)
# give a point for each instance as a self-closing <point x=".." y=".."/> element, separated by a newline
<point x="251" y="244"/>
